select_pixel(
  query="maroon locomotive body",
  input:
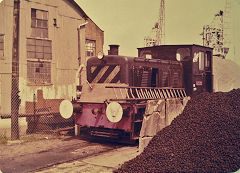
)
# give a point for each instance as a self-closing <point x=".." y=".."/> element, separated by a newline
<point x="114" y="97"/>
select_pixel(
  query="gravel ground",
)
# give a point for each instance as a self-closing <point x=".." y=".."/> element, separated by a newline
<point x="33" y="144"/>
<point x="63" y="154"/>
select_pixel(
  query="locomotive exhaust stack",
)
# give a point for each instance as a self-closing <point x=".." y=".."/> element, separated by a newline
<point x="114" y="49"/>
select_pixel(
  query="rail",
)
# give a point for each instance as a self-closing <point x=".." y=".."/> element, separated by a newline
<point x="146" y="93"/>
<point x="6" y="116"/>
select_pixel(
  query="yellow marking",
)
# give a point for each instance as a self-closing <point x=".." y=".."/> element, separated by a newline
<point x="100" y="74"/>
<point x="93" y="69"/>
<point x="112" y="74"/>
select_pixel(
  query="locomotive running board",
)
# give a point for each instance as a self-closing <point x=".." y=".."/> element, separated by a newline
<point x="146" y="93"/>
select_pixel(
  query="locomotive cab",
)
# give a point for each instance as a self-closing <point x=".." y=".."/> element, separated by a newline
<point x="195" y="59"/>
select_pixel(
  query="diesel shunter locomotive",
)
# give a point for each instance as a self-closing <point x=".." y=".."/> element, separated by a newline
<point x="114" y="97"/>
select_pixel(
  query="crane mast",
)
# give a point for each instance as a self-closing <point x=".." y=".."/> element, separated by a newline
<point x="157" y="36"/>
<point x="218" y="34"/>
<point x="160" y="34"/>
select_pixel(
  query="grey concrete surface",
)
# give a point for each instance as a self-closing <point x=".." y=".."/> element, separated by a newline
<point x="100" y="163"/>
<point x="63" y="154"/>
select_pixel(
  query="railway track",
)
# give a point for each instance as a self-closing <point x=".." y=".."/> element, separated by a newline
<point x="105" y="161"/>
<point x="77" y="154"/>
<point x="64" y="152"/>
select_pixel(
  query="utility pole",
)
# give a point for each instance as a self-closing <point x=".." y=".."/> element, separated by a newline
<point x="15" y="101"/>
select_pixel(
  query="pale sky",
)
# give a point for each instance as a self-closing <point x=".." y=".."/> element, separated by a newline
<point x="127" y="22"/>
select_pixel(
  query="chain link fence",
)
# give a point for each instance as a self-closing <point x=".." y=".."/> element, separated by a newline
<point x="39" y="117"/>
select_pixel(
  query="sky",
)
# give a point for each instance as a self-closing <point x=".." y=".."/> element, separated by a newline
<point x="127" y="22"/>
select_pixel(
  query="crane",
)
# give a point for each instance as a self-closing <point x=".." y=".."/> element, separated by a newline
<point x="157" y="36"/>
<point x="218" y="34"/>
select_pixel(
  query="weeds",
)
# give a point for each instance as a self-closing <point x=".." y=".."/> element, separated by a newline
<point x="3" y="139"/>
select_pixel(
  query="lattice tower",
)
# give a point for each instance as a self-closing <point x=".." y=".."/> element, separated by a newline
<point x="213" y="35"/>
<point x="227" y="24"/>
<point x="157" y="36"/>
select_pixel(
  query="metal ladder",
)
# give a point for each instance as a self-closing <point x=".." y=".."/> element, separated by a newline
<point x="146" y="93"/>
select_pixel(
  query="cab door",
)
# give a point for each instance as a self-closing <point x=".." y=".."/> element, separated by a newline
<point x="208" y="72"/>
<point x="202" y="72"/>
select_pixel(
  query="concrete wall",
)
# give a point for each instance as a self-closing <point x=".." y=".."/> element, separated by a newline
<point x="65" y="49"/>
<point x="64" y="39"/>
<point x="68" y="44"/>
<point x="93" y="32"/>
<point x="6" y="28"/>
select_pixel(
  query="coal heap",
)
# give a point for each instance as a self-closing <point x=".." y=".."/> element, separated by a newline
<point x="204" y="138"/>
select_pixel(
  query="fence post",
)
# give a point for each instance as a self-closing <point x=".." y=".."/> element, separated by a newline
<point x="15" y="102"/>
<point x="34" y="123"/>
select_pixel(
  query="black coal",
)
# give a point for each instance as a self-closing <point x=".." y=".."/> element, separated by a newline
<point x="204" y="138"/>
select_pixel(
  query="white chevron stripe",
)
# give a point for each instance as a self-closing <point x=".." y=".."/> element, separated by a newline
<point x="100" y="74"/>
<point x="112" y="74"/>
<point x="93" y="68"/>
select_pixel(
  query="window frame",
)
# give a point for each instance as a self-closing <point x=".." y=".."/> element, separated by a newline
<point x="2" y="49"/>
<point x="90" y="49"/>
<point x="39" y="24"/>
<point x="41" y="74"/>
<point x="36" y="49"/>
<point x="201" y="60"/>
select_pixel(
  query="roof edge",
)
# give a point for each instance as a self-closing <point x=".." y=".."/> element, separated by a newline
<point x="95" y="24"/>
<point x="175" y="45"/>
<point x="78" y="8"/>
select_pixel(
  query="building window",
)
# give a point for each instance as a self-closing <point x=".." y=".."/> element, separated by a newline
<point x="39" y="49"/>
<point x="148" y="56"/>
<point x="39" y="72"/>
<point x="201" y="60"/>
<point x="90" y="47"/>
<point x="39" y="23"/>
<point x="39" y="56"/>
<point x="1" y="46"/>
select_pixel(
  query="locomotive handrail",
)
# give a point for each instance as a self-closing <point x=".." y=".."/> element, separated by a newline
<point x="141" y="87"/>
<point x="146" y="93"/>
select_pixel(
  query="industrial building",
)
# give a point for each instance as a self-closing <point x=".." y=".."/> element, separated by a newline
<point x="43" y="43"/>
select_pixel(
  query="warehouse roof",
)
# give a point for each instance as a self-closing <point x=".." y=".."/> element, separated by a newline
<point x="78" y="8"/>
